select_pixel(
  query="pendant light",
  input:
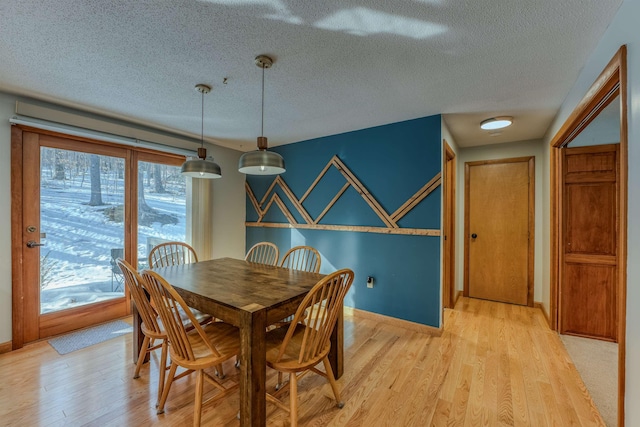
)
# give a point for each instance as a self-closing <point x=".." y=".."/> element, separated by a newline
<point x="262" y="161"/>
<point x="201" y="167"/>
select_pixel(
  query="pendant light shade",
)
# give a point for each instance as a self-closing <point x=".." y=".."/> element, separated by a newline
<point x="262" y="161"/>
<point x="201" y="167"/>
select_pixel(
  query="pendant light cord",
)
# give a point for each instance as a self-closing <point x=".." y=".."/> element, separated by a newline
<point x="202" y="121"/>
<point x="262" y="121"/>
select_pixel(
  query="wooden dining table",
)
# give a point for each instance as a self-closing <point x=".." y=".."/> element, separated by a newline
<point x="251" y="297"/>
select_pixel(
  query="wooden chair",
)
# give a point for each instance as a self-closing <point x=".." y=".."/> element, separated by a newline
<point x="151" y="328"/>
<point x="196" y="350"/>
<point x="306" y="342"/>
<point x="303" y="258"/>
<point x="171" y="253"/>
<point x="263" y="253"/>
<point x="176" y="253"/>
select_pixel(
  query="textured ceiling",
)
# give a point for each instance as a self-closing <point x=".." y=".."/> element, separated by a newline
<point x="339" y="65"/>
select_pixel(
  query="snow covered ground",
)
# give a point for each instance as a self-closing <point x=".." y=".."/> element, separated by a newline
<point x="76" y="262"/>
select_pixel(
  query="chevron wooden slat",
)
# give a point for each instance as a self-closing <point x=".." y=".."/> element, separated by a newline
<point x="317" y="180"/>
<point x="253" y="199"/>
<point x="360" y="188"/>
<point x="269" y="190"/>
<point x="332" y="202"/>
<point x="275" y="198"/>
<point x="390" y="221"/>
<point x="417" y="198"/>
<point x="294" y="200"/>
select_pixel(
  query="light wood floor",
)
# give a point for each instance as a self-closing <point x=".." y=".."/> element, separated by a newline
<point x="494" y="365"/>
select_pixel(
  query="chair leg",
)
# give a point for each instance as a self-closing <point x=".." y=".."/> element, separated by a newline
<point x="332" y="381"/>
<point x="197" y="412"/>
<point x="167" y="387"/>
<point x="162" y="370"/>
<point x="143" y="353"/>
<point x="219" y="371"/>
<point x="279" y="383"/>
<point x="293" y="398"/>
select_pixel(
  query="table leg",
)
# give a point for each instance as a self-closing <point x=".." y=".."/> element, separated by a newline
<point x="336" y="354"/>
<point x="253" y="411"/>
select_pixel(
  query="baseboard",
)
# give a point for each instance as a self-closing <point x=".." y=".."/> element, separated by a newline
<point x="5" y="347"/>
<point x="412" y="326"/>
<point x="544" y="312"/>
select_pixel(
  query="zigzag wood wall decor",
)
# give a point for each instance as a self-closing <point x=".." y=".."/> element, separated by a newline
<point x="390" y="220"/>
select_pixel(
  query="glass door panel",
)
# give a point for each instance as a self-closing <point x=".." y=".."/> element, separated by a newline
<point x="82" y="224"/>
<point x="162" y="207"/>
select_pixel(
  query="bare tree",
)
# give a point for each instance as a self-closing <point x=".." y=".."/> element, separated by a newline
<point x="59" y="165"/>
<point x="142" y="203"/>
<point x="96" y="187"/>
<point x="157" y="177"/>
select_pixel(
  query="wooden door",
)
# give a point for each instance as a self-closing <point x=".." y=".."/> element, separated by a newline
<point x="64" y="290"/>
<point x="588" y="296"/>
<point x="499" y="230"/>
<point x="67" y="232"/>
<point x="448" y="227"/>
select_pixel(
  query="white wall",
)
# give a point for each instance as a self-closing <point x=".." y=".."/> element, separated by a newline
<point x="623" y="30"/>
<point x="503" y="151"/>
<point x="227" y="218"/>
<point x="6" y="110"/>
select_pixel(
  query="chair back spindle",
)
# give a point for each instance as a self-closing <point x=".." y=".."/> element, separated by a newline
<point x="172" y="253"/>
<point x="263" y="253"/>
<point x="134" y="282"/>
<point x="303" y="258"/>
<point x="319" y="312"/>
<point x="170" y="305"/>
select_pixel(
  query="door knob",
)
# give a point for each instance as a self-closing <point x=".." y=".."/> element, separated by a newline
<point x="33" y="244"/>
<point x="474" y="235"/>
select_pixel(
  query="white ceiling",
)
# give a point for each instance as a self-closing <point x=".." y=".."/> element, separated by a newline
<point x="339" y="65"/>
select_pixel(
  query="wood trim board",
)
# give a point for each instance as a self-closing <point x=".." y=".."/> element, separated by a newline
<point x="6" y="347"/>
<point x="611" y="81"/>
<point x="405" y="324"/>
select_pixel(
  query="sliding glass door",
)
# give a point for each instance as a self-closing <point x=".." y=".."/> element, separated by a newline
<point x="83" y="205"/>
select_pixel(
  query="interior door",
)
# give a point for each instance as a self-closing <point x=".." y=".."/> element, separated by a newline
<point x="588" y="294"/>
<point x="499" y="230"/>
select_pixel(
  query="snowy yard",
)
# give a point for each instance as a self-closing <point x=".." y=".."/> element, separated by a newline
<point x="76" y="261"/>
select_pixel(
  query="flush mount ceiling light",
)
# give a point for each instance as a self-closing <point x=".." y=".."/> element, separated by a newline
<point x="262" y="161"/>
<point x="201" y="167"/>
<point x="496" y="123"/>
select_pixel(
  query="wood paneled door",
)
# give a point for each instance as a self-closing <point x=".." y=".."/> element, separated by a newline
<point x="588" y="295"/>
<point x="499" y="222"/>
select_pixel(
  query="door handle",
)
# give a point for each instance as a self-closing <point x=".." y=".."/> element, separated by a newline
<point x="33" y="244"/>
<point x="474" y="235"/>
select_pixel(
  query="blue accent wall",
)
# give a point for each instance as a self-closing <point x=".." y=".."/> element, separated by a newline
<point x="393" y="162"/>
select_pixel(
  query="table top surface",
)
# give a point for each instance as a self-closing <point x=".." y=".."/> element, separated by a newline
<point x="240" y="284"/>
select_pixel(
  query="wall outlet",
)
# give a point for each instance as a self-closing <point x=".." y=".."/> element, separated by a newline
<point x="369" y="282"/>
